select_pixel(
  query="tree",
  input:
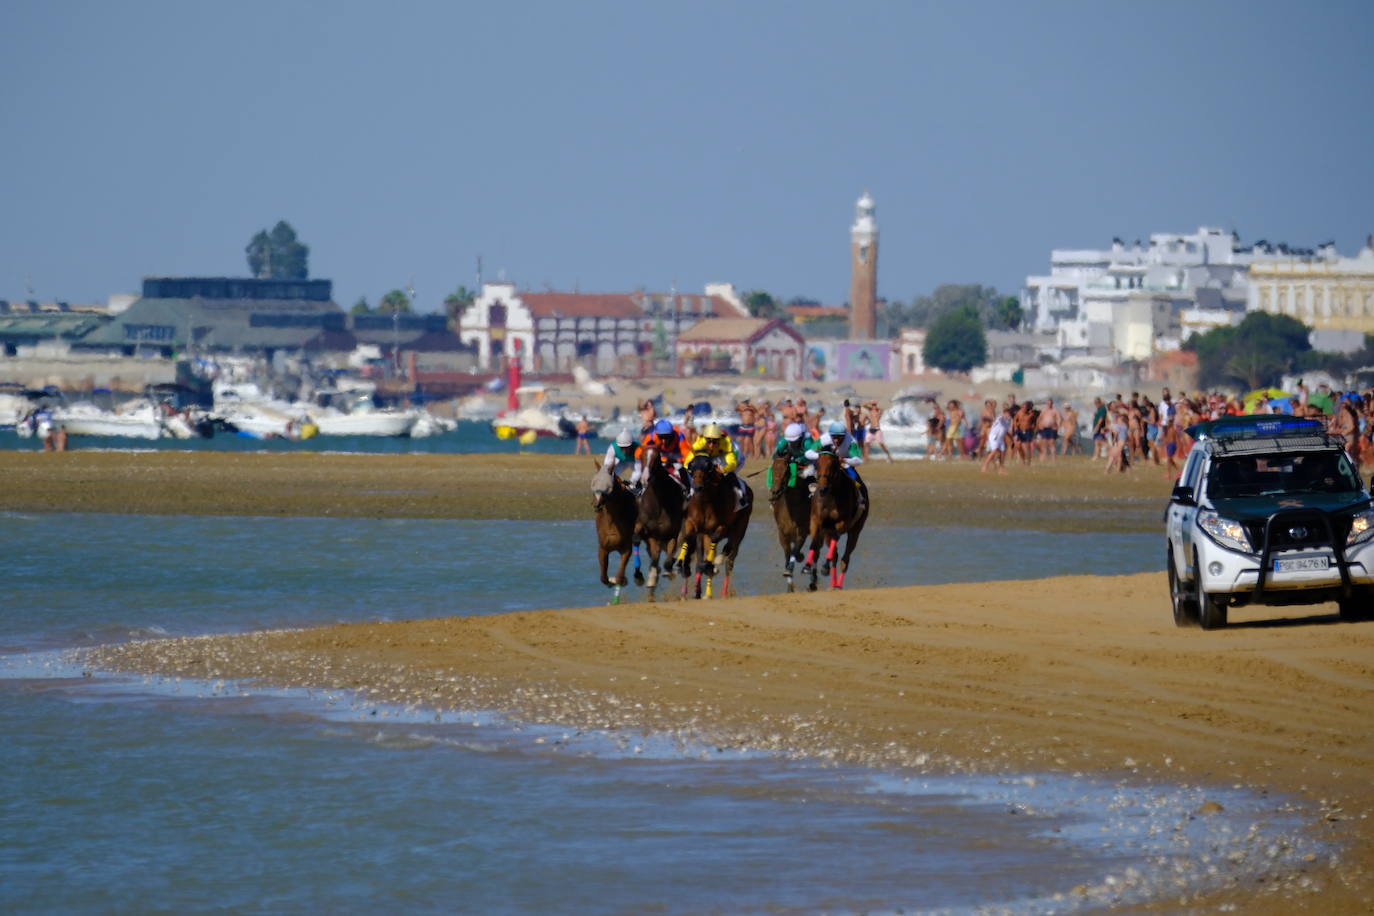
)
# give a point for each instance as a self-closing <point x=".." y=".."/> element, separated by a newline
<point x="361" y="307"/>
<point x="278" y="255"/>
<point x="456" y="302"/>
<point x="956" y="342"/>
<point x="394" y="301"/>
<point x="761" y="305"/>
<point x="1254" y="354"/>
<point x="1008" y="314"/>
<point x="925" y="311"/>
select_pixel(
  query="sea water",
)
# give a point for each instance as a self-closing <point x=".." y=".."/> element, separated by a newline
<point x="145" y="794"/>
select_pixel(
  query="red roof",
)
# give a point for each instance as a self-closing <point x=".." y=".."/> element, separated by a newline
<point x="581" y="305"/>
<point x="618" y="305"/>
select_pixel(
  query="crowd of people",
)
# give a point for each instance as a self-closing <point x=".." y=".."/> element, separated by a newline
<point x="1121" y="432"/>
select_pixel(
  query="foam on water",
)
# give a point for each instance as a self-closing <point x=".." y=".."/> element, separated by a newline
<point x="1115" y="841"/>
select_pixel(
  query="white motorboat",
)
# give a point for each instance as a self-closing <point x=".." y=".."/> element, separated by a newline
<point x="366" y="423"/>
<point x="86" y="419"/>
<point x="259" y="420"/>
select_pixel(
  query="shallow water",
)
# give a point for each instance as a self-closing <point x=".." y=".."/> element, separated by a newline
<point x="121" y="793"/>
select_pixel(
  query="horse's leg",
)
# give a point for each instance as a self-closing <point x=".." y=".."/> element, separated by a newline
<point x="849" y="544"/>
<point x="620" y="575"/>
<point x="603" y="557"/>
<point x="639" y="573"/>
<point x="830" y="552"/>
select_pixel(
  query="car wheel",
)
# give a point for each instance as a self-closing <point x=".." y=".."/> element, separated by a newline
<point x="1211" y="610"/>
<point x="1358" y="605"/>
<point x="1185" y="604"/>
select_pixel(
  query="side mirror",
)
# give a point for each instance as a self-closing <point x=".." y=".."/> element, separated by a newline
<point x="1183" y="495"/>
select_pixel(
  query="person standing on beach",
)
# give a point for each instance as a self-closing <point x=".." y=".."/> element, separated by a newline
<point x="584" y="437"/>
<point x="648" y="416"/>
<point x="1023" y="431"/>
<point x="748" y="419"/>
<point x="1099" y="431"/>
<point x="1047" y="432"/>
<point x="766" y="433"/>
<point x="1069" y="432"/>
<point x="996" y="448"/>
<point x="935" y="431"/>
<point x="873" y="416"/>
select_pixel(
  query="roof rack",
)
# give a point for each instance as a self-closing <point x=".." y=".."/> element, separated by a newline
<point x="1290" y="443"/>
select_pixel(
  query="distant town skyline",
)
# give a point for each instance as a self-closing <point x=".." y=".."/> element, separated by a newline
<point x="611" y="147"/>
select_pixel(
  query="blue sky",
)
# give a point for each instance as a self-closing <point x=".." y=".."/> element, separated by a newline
<point x="616" y="146"/>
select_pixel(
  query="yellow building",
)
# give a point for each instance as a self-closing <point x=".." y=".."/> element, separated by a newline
<point x="1330" y="294"/>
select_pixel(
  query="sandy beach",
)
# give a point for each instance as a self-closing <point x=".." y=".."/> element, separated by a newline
<point x="1082" y="674"/>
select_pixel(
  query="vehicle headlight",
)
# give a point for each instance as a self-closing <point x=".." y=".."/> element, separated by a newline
<point x="1224" y="531"/>
<point x="1361" y="527"/>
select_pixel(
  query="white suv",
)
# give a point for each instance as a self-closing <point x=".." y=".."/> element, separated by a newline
<point x="1268" y="510"/>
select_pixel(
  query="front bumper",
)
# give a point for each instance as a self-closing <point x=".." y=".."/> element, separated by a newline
<point x="1226" y="571"/>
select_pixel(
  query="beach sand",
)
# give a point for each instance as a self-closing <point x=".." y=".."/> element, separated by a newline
<point x="1083" y="674"/>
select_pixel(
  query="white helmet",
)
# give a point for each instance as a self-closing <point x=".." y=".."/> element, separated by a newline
<point x="793" y="432"/>
<point x="624" y="439"/>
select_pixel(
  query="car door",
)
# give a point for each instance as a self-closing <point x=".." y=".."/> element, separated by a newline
<point x="1181" y="512"/>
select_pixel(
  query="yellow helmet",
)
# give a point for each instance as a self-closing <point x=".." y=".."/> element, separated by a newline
<point x="713" y="431"/>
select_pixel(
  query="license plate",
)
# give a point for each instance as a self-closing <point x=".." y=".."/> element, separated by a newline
<point x="1302" y="564"/>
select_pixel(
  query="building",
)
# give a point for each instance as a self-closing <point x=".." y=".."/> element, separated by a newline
<point x="758" y="346"/>
<point x="29" y="327"/>
<point x="863" y="271"/>
<point x="1207" y="269"/>
<point x="628" y="333"/>
<point x="225" y="315"/>
<point x="1328" y="294"/>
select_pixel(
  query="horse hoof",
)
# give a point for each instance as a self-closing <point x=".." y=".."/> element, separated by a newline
<point x="811" y="586"/>
<point x="807" y="570"/>
<point x="639" y="578"/>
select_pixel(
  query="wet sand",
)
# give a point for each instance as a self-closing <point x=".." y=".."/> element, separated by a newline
<point x="1083" y="674"/>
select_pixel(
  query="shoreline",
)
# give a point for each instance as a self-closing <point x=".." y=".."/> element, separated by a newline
<point x="1002" y="677"/>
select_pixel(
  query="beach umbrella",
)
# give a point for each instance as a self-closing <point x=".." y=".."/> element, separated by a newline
<point x="1322" y="400"/>
<point x="1254" y="398"/>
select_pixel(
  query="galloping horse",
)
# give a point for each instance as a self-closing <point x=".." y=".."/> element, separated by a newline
<point x="659" y="520"/>
<point x="791" y="513"/>
<point x="839" y="507"/>
<point x="711" y="519"/>
<point x="615" y="524"/>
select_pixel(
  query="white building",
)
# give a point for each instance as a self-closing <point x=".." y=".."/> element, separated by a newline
<point x="1330" y="294"/>
<point x="605" y="332"/>
<point x="1132" y="301"/>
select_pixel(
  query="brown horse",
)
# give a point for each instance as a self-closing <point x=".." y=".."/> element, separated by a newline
<point x="839" y="507"/>
<point x="659" y="520"/>
<point x="787" y="491"/>
<point x="615" y="524"/>
<point x="711" y="520"/>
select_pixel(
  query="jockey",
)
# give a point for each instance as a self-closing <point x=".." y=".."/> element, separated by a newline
<point x="720" y="448"/>
<point x="833" y="441"/>
<point x="672" y="449"/>
<point x="793" y="445"/>
<point x="623" y="453"/>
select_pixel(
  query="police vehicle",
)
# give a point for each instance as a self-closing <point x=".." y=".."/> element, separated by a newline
<point x="1268" y="510"/>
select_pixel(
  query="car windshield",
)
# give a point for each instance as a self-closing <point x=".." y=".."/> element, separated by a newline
<point x="1270" y="475"/>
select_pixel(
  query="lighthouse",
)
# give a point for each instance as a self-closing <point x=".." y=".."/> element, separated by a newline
<point x="863" y="277"/>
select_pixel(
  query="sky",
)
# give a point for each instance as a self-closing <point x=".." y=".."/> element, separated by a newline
<point x="609" y="147"/>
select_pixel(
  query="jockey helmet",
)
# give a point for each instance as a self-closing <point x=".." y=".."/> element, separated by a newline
<point x="793" y="432"/>
<point x="663" y="428"/>
<point x="713" y="431"/>
<point x="624" y="440"/>
<point x="837" y="428"/>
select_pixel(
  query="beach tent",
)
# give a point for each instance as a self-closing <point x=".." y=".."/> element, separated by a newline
<point x="1322" y="400"/>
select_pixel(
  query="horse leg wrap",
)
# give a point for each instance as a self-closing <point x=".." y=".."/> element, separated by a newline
<point x="811" y="557"/>
<point x="710" y="551"/>
<point x="839" y="578"/>
<point x="832" y="550"/>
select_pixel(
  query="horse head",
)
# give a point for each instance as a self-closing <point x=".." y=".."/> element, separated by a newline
<point x="827" y="465"/>
<point x="703" y="471"/>
<point x="781" y="473"/>
<point x="602" y="485"/>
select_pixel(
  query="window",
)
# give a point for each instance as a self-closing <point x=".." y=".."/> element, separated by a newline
<point x="149" y="332"/>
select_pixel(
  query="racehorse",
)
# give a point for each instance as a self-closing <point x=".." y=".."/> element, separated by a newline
<point x="615" y="524"/>
<point x="659" y="520"/>
<point x="791" y="513"/>
<point x="838" y="507"/>
<point x="711" y="519"/>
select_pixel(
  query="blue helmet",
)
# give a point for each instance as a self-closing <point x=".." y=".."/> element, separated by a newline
<point x="663" y="427"/>
<point x="837" y="428"/>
